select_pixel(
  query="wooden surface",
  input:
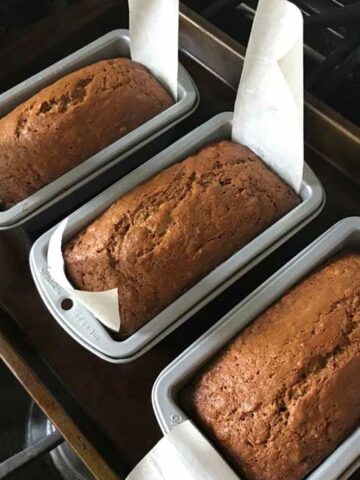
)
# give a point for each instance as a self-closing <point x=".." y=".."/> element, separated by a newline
<point x="53" y="409"/>
<point x="112" y="403"/>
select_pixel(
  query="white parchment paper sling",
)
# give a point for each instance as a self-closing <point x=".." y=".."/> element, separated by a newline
<point x="268" y="116"/>
<point x="154" y="38"/>
<point x="104" y="305"/>
<point x="183" y="454"/>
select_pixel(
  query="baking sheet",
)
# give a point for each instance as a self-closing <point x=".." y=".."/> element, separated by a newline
<point x="200" y="40"/>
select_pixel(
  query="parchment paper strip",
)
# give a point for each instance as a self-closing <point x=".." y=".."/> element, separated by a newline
<point x="104" y="305"/>
<point x="183" y="454"/>
<point x="154" y="38"/>
<point x="268" y="115"/>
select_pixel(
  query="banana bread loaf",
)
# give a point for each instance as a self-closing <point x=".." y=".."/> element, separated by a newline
<point x="72" y="119"/>
<point x="285" y="392"/>
<point x="162" y="237"/>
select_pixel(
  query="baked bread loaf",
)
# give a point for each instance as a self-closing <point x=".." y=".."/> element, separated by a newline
<point x="162" y="237"/>
<point x="71" y="120"/>
<point x="285" y="392"/>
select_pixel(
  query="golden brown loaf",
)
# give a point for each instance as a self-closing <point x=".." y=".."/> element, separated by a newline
<point x="158" y="240"/>
<point x="72" y="119"/>
<point x="285" y="392"/>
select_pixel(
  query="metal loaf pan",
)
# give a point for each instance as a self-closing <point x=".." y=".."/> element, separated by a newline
<point x="345" y="234"/>
<point x="113" y="44"/>
<point x="88" y="331"/>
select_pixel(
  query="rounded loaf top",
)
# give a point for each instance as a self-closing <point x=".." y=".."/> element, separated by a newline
<point x="166" y="234"/>
<point x="71" y="120"/>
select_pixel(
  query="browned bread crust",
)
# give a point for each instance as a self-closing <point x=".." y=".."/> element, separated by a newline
<point x="161" y="238"/>
<point x="285" y="392"/>
<point x="71" y="120"/>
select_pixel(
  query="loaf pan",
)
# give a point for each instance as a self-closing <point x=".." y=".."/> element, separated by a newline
<point x="84" y="327"/>
<point x="345" y="234"/>
<point x="113" y="44"/>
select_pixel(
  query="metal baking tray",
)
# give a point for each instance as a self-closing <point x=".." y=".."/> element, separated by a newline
<point x="345" y="234"/>
<point x="113" y="44"/>
<point x="88" y="331"/>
